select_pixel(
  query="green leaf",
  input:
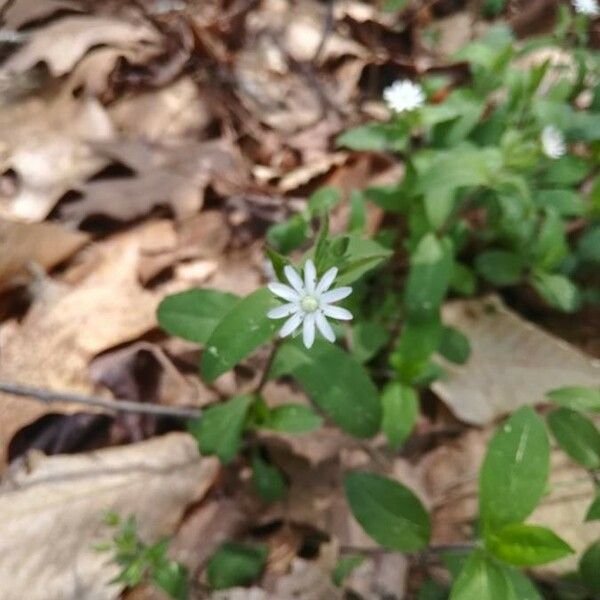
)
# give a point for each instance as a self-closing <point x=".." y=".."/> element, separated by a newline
<point x="172" y="578"/>
<point x="350" y="398"/>
<point x="593" y="513"/>
<point x="492" y="8"/>
<point x="241" y="331"/>
<point x="557" y="290"/>
<point x="500" y="267"/>
<point x="589" y="567"/>
<point x="515" y="470"/>
<point x="463" y="280"/>
<point x="219" y="430"/>
<point x="234" y="564"/>
<point x="460" y="167"/>
<point x="454" y="346"/>
<point x="551" y="244"/>
<point x="377" y="137"/>
<point x="432" y="590"/>
<point x="482" y="579"/>
<point x="568" y="170"/>
<point x="267" y="480"/>
<point x="194" y="314"/>
<point x="400" y="411"/>
<point x="526" y="545"/>
<point x="293" y="418"/>
<point x="428" y="279"/>
<point x="368" y="338"/>
<point x="323" y="200"/>
<point x="388" y="511"/>
<point x="418" y="341"/>
<point x="358" y="213"/>
<point x="577" y="398"/>
<point x="568" y="203"/>
<point x="361" y="256"/>
<point x="522" y="585"/>
<point x="345" y="565"/>
<point x="577" y="436"/>
<point x="290" y="234"/>
<point x="588" y="246"/>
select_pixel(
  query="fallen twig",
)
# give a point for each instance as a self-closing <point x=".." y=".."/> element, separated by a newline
<point x="51" y="396"/>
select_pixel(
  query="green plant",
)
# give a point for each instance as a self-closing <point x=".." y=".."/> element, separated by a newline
<point x="140" y="562"/>
<point x="492" y="194"/>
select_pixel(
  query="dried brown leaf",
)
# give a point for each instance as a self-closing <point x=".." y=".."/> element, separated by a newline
<point x="63" y="43"/>
<point x="174" y="175"/>
<point x="25" y="244"/>
<point x="53" y="512"/>
<point x="66" y="327"/>
<point x="513" y="362"/>
<point x="46" y="144"/>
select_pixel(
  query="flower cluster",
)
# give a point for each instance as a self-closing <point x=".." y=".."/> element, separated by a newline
<point x="404" y="96"/>
<point x="309" y="303"/>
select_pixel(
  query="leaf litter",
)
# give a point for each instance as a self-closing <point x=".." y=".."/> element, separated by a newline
<point x="135" y="140"/>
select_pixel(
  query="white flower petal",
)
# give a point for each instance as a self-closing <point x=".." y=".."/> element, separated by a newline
<point x="324" y="327"/>
<point x="404" y="95"/>
<point x="335" y="295"/>
<point x="327" y="280"/>
<point x="337" y="312"/>
<point x="284" y="291"/>
<point x="294" y="279"/>
<point x="291" y="324"/>
<point x="284" y="310"/>
<point x="310" y="276"/>
<point x="586" y="7"/>
<point x="553" y="142"/>
<point x="308" y="332"/>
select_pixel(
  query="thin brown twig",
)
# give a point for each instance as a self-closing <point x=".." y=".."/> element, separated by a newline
<point x="115" y="406"/>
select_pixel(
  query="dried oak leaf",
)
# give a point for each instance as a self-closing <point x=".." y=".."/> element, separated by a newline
<point x="22" y="12"/>
<point x="65" y="328"/>
<point x="64" y="42"/>
<point x="512" y="363"/>
<point x="43" y="244"/>
<point x="53" y="510"/>
<point x="46" y="145"/>
<point x="175" y="175"/>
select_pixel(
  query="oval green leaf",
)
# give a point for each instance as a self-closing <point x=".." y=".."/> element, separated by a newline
<point x="577" y="436"/>
<point x="526" y="545"/>
<point x="577" y="398"/>
<point x="241" y="331"/>
<point x="388" y="511"/>
<point x="193" y="315"/>
<point x="293" y="418"/>
<point x="589" y="567"/>
<point x="515" y="470"/>
<point x="400" y="406"/>
<point x="335" y="381"/>
<point x="483" y="579"/>
<point x="219" y="430"/>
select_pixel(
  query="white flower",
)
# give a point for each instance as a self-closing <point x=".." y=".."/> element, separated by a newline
<point x="309" y="303"/>
<point x="553" y="142"/>
<point x="404" y="95"/>
<point x="586" y="7"/>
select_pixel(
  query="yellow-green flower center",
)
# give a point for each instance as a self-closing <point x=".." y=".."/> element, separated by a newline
<point x="309" y="304"/>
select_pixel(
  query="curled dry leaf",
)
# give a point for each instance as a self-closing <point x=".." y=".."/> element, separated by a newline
<point x="25" y="244"/>
<point x="63" y="43"/>
<point x="22" y="12"/>
<point x="174" y="175"/>
<point x="513" y="362"/>
<point x="64" y="330"/>
<point x="53" y="512"/>
<point x="170" y="112"/>
<point x="46" y="144"/>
